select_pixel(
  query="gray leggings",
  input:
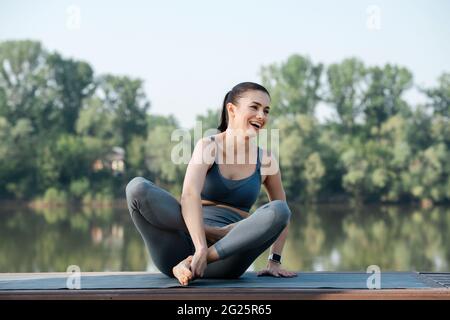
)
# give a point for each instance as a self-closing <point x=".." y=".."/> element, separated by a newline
<point x="157" y="216"/>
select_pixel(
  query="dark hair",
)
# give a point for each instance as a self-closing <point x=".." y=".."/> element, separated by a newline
<point x="232" y="96"/>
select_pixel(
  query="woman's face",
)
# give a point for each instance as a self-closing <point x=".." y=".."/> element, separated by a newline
<point x="251" y="112"/>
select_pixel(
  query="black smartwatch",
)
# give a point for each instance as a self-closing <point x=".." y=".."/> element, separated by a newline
<point x="275" y="258"/>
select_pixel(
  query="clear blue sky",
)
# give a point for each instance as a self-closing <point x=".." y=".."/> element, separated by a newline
<point x="189" y="53"/>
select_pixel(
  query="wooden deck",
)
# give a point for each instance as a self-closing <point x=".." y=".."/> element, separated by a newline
<point x="230" y="294"/>
<point x="432" y="286"/>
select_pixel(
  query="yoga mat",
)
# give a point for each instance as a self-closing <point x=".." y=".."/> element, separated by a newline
<point x="304" y="280"/>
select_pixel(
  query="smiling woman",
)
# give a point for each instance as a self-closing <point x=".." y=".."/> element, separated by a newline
<point x="254" y="100"/>
<point x="211" y="233"/>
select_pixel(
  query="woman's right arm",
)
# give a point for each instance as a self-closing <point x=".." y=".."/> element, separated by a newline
<point x="191" y="206"/>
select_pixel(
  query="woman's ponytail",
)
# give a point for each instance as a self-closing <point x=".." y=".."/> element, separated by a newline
<point x="224" y="115"/>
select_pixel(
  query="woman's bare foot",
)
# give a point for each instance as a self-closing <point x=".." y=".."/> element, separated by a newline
<point x="183" y="272"/>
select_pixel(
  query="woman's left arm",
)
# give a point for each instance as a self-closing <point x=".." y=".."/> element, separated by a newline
<point x="275" y="191"/>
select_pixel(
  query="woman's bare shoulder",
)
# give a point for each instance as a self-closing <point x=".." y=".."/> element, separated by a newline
<point x="205" y="150"/>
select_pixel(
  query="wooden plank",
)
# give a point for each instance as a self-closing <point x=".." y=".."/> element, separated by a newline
<point x="229" y="294"/>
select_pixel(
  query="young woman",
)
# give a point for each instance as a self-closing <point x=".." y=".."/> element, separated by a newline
<point x="210" y="233"/>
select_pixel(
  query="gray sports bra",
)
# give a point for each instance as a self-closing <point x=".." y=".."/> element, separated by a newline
<point x="241" y="194"/>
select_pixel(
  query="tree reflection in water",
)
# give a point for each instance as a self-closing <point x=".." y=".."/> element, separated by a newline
<point x="321" y="238"/>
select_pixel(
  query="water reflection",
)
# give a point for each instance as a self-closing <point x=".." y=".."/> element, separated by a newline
<point x="321" y="238"/>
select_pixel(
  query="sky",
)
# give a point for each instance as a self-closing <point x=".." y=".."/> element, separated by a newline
<point x="190" y="53"/>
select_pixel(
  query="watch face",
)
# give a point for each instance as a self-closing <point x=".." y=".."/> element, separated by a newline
<point x="275" y="257"/>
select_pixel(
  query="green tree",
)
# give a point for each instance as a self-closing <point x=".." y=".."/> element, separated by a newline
<point x="346" y="91"/>
<point x="158" y="151"/>
<point x="74" y="82"/>
<point x="314" y="171"/>
<point x="300" y="156"/>
<point x="97" y="121"/>
<point x="383" y="97"/>
<point x="294" y="85"/>
<point x="17" y="155"/>
<point x="25" y="83"/>
<point x="160" y="120"/>
<point x="440" y="96"/>
<point x="126" y="99"/>
<point x="210" y="120"/>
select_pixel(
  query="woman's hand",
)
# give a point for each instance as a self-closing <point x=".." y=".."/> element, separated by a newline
<point x="274" y="269"/>
<point x="199" y="262"/>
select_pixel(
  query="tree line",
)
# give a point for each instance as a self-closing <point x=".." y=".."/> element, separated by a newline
<point x="60" y="122"/>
